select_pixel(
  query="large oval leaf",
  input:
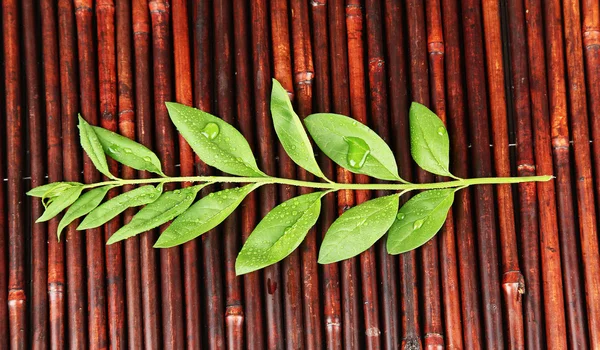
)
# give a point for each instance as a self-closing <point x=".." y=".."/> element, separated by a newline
<point x="290" y="131"/>
<point x="59" y="203"/>
<point x="128" y="152"/>
<point x="86" y="203"/>
<point x="204" y="215"/>
<point x="109" y="209"/>
<point x="352" y="145"/>
<point x="429" y="143"/>
<point x="358" y="229"/>
<point x="419" y="220"/>
<point x="92" y="146"/>
<point x="165" y="208"/>
<point x="217" y="143"/>
<point x="279" y="233"/>
<point x="52" y="189"/>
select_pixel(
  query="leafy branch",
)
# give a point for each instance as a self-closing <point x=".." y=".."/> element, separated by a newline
<point x="350" y="144"/>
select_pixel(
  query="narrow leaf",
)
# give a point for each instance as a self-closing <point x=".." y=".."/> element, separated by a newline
<point x="92" y="146"/>
<point x="66" y="198"/>
<point x="204" y="215"/>
<point x="290" y="131"/>
<point x="51" y="190"/>
<point x="429" y="143"/>
<point x="168" y="206"/>
<point x="128" y="152"/>
<point x="109" y="209"/>
<point x="86" y="203"/>
<point x="419" y="220"/>
<point x="358" y="229"/>
<point x="353" y="145"/>
<point x="216" y="142"/>
<point x="279" y="233"/>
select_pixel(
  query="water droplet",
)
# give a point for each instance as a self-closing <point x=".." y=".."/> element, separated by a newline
<point x="210" y="131"/>
<point x="418" y="224"/>
<point x="127" y="150"/>
<point x="177" y="191"/>
<point x="358" y="151"/>
<point x="147" y="159"/>
<point x="400" y="216"/>
<point x="441" y="131"/>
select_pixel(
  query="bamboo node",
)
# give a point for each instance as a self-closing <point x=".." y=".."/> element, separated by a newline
<point x="376" y="63"/>
<point x="529" y="168"/>
<point x="304" y="78"/>
<point x="372" y="332"/>
<point x="316" y="3"/>
<point x="16" y="295"/>
<point x="591" y="38"/>
<point x="436" y="48"/>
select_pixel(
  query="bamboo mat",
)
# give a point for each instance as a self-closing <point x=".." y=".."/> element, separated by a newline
<point x="516" y="81"/>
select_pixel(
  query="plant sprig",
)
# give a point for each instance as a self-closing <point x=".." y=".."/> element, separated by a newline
<point x="350" y="144"/>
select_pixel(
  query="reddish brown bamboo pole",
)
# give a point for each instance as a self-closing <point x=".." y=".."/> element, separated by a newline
<point x="272" y="283"/>
<point x="291" y="273"/>
<point x="107" y="79"/>
<point x="252" y="313"/>
<point x="399" y="106"/>
<point x="143" y="105"/>
<point x="303" y="80"/>
<point x="588" y="226"/>
<point x="533" y="319"/>
<point x="172" y="300"/>
<point x="549" y="240"/>
<point x="482" y="166"/>
<point x="75" y="262"/>
<point x="88" y="83"/>
<point x="4" y="327"/>
<point x="512" y="279"/>
<point x="573" y="293"/>
<point x="341" y="105"/>
<point x="448" y="257"/>
<point x="358" y="111"/>
<point x="39" y="272"/>
<point x="184" y="95"/>
<point x="17" y="299"/>
<point x="56" y="269"/>
<point x="419" y="80"/>
<point x="127" y="125"/>
<point x="331" y="283"/>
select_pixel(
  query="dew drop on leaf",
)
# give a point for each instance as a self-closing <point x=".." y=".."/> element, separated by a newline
<point x="441" y="131"/>
<point x="210" y="131"/>
<point x="418" y="224"/>
<point x="400" y="216"/>
<point x="358" y="151"/>
<point x="127" y="150"/>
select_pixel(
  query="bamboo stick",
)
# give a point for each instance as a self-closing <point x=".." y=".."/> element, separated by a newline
<point x="56" y="269"/>
<point x="331" y="283"/>
<point x="303" y="87"/>
<point x="341" y="105"/>
<point x="172" y="299"/>
<point x="578" y="108"/>
<point x="17" y="298"/>
<point x="550" y="249"/>
<point x="75" y="262"/>
<point x="253" y="304"/>
<point x="4" y="327"/>
<point x="143" y="98"/>
<point x="127" y="124"/>
<point x="272" y="283"/>
<point x="358" y="111"/>
<point x="575" y="315"/>
<point x="39" y="272"/>
<point x="529" y="232"/>
<point x="291" y="272"/>
<point x="512" y="279"/>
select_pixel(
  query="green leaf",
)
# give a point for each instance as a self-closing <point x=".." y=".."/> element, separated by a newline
<point x="352" y="145"/>
<point x="216" y="142"/>
<point x="128" y="152"/>
<point x="52" y="189"/>
<point x="290" y="131"/>
<point x="429" y="143"/>
<point x="109" y="209"/>
<point x="86" y="203"/>
<point x="92" y="146"/>
<point x="279" y="233"/>
<point x="165" y="208"/>
<point x="419" y="220"/>
<point x="204" y="215"/>
<point x="66" y="198"/>
<point x="358" y="229"/>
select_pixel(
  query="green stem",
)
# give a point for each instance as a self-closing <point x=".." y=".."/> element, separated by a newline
<point x="330" y="185"/>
